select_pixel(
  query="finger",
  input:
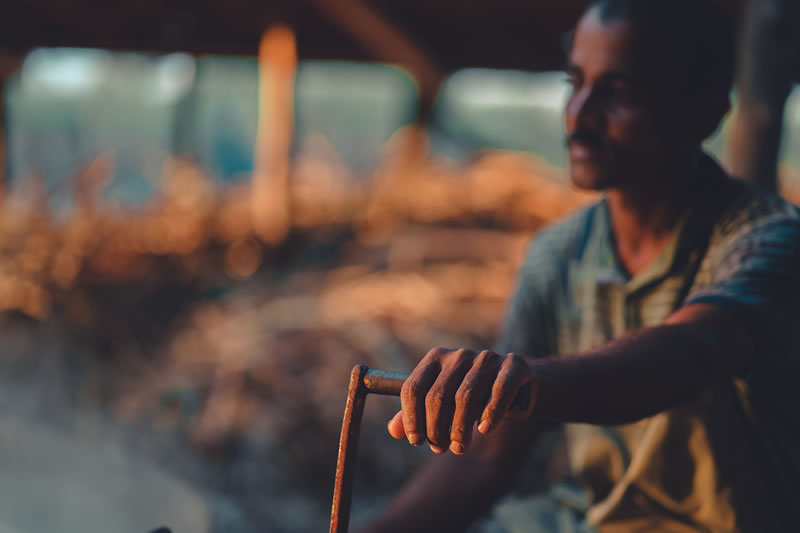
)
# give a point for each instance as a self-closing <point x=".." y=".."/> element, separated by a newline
<point x="440" y="400"/>
<point x="513" y="374"/>
<point x="470" y="398"/>
<point x="412" y="400"/>
<point x="395" y="426"/>
<point x="460" y="448"/>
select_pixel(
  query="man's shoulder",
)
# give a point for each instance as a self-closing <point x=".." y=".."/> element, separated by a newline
<point x="751" y="209"/>
<point x="756" y="240"/>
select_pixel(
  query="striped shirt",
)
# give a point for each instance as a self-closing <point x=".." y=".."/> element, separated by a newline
<point x="728" y="461"/>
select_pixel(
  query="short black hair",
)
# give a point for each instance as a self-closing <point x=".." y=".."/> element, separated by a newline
<point x="698" y="35"/>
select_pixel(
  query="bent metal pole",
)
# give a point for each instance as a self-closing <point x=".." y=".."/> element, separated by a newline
<point x="362" y="382"/>
<point x="365" y="381"/>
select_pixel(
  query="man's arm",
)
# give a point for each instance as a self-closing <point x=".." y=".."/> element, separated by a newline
<point x="648" y="371"/>
<point x="637" y="376"/>
<point x="451" y="491"/>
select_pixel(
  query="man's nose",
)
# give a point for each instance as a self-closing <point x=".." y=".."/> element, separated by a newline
<point x="584" y="111"/>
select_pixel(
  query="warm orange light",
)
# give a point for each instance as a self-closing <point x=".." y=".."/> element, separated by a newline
<point x="277" y="63"/>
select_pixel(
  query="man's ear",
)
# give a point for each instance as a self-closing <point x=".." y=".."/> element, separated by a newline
<point x="708" y="112"/>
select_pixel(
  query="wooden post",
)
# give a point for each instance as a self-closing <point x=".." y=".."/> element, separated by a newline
<point x="277" y="65"/>
<point x="9" y="64"/>
<point x="3" y="138"/>
<point x="769" y="56"/>
<point x="388" y="43"/>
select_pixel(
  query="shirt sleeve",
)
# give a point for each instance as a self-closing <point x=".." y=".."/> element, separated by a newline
<point x="758" y="278"/>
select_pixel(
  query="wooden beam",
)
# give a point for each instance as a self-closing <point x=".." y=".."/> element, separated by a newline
<point x="389" y="44"/>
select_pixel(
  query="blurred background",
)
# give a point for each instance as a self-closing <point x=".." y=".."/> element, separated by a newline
<point x="212" y="210"/>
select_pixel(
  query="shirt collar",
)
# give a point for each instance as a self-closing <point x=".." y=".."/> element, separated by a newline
<point x="688" y="237"/>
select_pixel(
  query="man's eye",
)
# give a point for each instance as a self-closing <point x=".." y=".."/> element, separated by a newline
<point x="572" y="82"/>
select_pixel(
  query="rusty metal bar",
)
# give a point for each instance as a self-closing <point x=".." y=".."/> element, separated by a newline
<point x="384" y="382"/>
<point x="364" y="381"/>
<point x="348" y="444"/>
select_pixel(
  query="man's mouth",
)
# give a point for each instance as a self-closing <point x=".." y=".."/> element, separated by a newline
<point x="583" y="145"/>
<point x="580" y="150"/>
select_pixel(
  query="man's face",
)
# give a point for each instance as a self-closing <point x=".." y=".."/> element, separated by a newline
<point x="617" y="122"/>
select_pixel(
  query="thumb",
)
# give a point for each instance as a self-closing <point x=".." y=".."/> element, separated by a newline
<point x="395" y="426"/>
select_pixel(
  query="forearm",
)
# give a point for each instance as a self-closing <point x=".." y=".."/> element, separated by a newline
<point x="447" y="494"/>
<point x="452" y="491"/>
<point x="637" y="376"/>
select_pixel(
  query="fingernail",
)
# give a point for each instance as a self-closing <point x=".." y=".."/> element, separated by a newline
<point x="457" y="448"/>
<point x="436" y="449"/>
<point x="414" y="439"/>
<point x="484" y="426"/>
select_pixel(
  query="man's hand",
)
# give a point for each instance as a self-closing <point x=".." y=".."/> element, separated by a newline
<point x="450" y="390"/>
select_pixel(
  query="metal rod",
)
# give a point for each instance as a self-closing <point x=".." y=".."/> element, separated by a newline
<point x="348" y="444"/>
<point x="364" y="381"/>
<point x="384" y="382"/>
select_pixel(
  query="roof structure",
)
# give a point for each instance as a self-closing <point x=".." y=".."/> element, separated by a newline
<point x="523" y="34"/>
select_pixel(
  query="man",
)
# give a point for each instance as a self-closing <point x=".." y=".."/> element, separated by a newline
<point x="662" y="323"/>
